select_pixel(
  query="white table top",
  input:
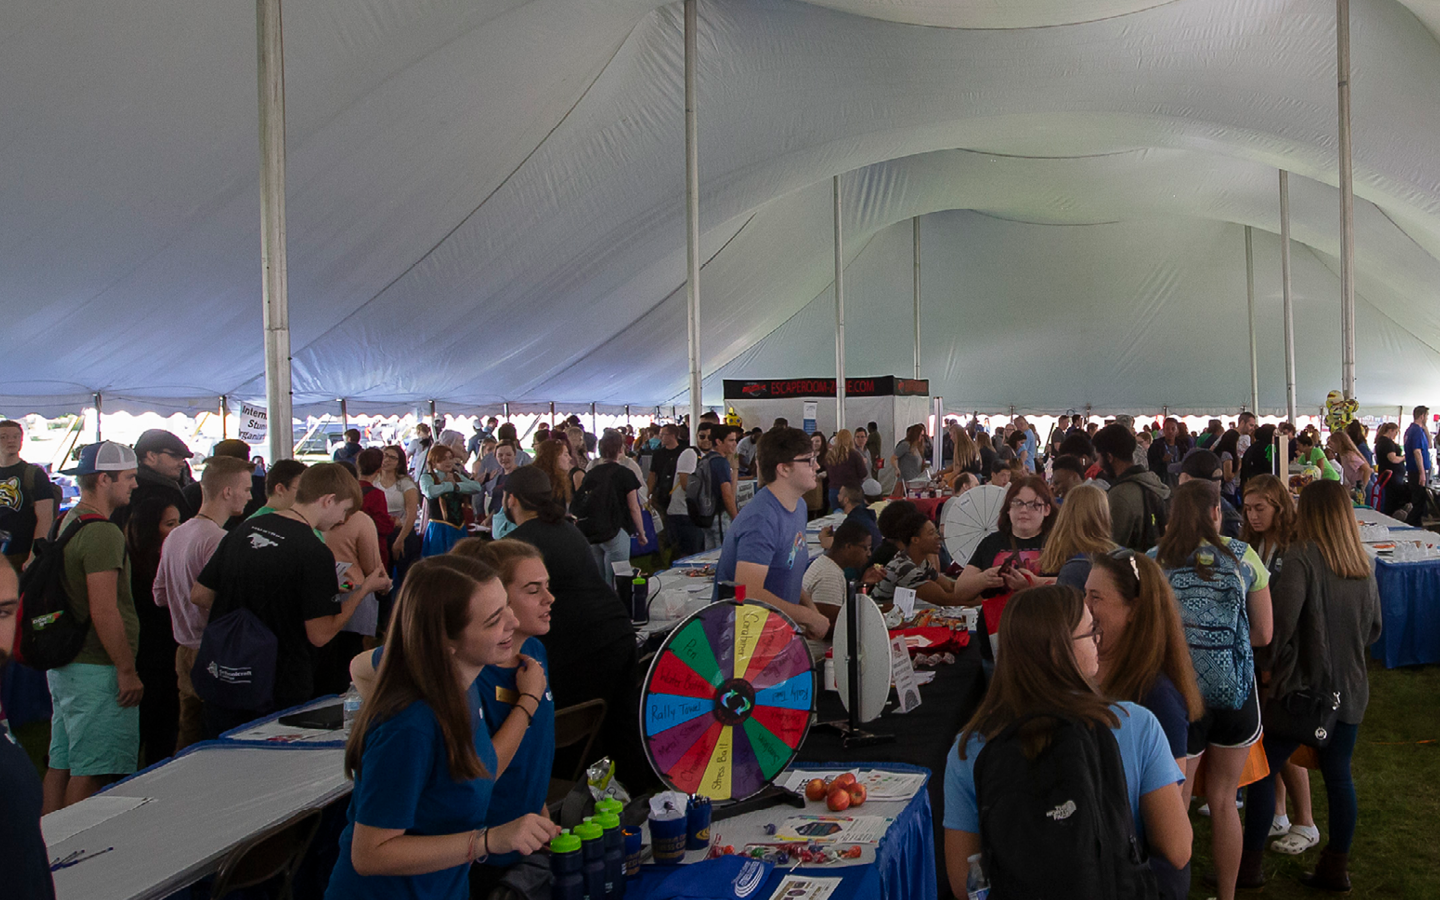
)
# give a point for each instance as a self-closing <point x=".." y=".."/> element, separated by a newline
<point x="203" y="804"/>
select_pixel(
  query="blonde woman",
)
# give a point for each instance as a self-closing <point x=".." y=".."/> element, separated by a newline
<point x="966" y="455"/>
<point x="1355" y="472"/>
<point x="844" y="467"/>
<point x="1081" y="530"/>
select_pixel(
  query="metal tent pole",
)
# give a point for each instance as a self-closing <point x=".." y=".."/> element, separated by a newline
<point x="224" y="414"/>
<point x="98" y="439"/>
<point x="692" y="222"/>
<point x="1347" y="201"/>
<point x="839" y="309"/>
<point x="594" y="422"/>
<point x="434" y="432"/>
<point x="344" y="415"/>
<point x="1250" y="300"/>
<point x="1285" y="291"/>
<point x="270" y="40"/>
<point x="915" y="242"/>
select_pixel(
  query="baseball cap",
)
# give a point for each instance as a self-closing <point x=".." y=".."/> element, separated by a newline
<point x="231" y="447"/>
<point x="1201" y="464"/>
<point x="528" y="481"/>
<point x="106" y="456"/>
<point x="158" y="440"/>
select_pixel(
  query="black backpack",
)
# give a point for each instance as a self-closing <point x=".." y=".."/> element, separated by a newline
<point x="701" y="493"/>
<point x="1059" y="826"/>
<point x="596" y="507"/>
<point x="51" y="634"/>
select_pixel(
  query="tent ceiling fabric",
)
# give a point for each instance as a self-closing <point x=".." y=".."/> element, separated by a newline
<point x="486" y="202"/>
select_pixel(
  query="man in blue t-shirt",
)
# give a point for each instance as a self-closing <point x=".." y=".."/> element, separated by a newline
<point x="1417" y="466"/>
<point x="764" y="549"/>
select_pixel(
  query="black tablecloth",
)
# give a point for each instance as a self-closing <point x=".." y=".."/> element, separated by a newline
<point x="923" y="736"/>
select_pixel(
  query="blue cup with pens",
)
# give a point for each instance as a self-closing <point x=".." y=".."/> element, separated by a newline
<point x="667" y="836"/>
<point x="697" y="823"/>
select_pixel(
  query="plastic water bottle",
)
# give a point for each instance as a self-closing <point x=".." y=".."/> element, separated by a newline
<point x="976" y="884"/>
<point x="567" y="883"/>
<point x="351" y="703"/>
<point x="614" y="854"/>
<point x="592" y="858"/>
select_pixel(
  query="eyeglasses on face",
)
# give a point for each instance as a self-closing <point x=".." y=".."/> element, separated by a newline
<point x="1093" y="634"/>
<point x="1032" y="505"/>
<point x="804" y="460"/>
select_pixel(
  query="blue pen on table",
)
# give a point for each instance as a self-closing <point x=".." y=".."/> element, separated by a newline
<point x="75" y="858"/>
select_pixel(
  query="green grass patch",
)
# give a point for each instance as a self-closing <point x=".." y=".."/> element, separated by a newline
<point x="1397" y="780"/>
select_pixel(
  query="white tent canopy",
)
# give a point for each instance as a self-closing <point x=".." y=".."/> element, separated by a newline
<point x="486" y="199"/>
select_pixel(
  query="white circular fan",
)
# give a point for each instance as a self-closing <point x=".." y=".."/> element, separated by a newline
<point x="970" y="517"/>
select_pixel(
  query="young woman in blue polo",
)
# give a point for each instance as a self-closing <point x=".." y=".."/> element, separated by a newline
<point x="519" y="709"/>
<point x="419" y="752"/>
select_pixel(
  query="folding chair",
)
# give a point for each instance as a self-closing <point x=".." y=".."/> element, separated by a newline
<point x="273" y="853"/>
<point x="576" y="725"/>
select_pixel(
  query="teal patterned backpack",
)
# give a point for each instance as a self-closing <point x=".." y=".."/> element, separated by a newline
<point x="1217" y="626"/>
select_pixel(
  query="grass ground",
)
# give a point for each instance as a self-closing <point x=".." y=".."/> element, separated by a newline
<point x="1397" y="779"/>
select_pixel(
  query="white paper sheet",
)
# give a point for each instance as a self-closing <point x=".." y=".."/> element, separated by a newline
<point x="805" y="887"/>
<point x="70" y="821"/>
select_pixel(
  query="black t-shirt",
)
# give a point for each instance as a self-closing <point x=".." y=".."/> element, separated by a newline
<point x="662" y="466"/>
<point x="993" y="548"/>
<point x="27" y="863"/>
<point x="987" y="461"/>
<point x="282" y="572"/>
<point x="610" y="484"/>
<point x="1384" y="446"/>
<point x="20" y="486"/>
<point x="587" y="614"/>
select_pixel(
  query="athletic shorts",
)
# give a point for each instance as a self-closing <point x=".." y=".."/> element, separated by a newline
<point x="90" y="733"/>
<point x="1226" y="727"/>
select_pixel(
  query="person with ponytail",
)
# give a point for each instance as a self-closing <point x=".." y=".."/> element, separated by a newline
<point x="419" y="753"/>
<point x="1144" y="660"/>
<point x="591" y="643"/>
<point x="1223" y="591"/>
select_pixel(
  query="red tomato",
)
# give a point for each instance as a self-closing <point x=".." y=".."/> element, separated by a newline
<point x="816" y="789"/>
<point x="838" y="800"/>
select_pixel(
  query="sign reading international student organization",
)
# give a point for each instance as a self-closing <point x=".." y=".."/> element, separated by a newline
<point x="252" y="424"/>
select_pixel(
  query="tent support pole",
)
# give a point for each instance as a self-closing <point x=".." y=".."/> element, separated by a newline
<point x="98" y="439"/>
<point x="915" y="242"/>
<point x="1250" y="305"/>
<point x="692" y="222"/>
<point x="506" y="408"/>
<point x="224" y="413"/>
<point x="1285" y="291"/>
<point x="344" y="415"/>
<point x="839" y="309"/>
<point x="1347" y="201"/>
<point x="594" y="422"/>
<point x="270" y="38"/>
<point x="434" y="432"/>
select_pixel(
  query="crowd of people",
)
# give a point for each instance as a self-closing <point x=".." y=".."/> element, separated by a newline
<point x="1163" y="585"/>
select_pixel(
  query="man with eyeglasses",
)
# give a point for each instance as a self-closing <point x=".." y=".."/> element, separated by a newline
<point x="162" y="460"/>
<point x="764" y="550"/>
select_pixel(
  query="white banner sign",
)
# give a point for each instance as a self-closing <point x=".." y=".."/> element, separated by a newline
<point x="252" y="424"/>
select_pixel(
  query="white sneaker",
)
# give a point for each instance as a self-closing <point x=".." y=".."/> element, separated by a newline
<point x="1280" y="825"/>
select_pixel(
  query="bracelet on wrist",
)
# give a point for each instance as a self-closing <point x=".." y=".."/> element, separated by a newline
<point x="532" y="697"/>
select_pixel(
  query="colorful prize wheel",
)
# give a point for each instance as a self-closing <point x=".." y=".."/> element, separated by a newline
<point x="727" y="701"/>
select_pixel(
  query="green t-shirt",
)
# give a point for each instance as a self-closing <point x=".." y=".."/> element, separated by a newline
<point x="1317" y="458"/>
<point x="99" y="547"/>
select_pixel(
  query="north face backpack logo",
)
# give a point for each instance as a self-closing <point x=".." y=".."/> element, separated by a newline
<point x="1063" y="811"/>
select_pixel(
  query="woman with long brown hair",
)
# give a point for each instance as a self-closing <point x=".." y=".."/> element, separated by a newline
<point x="423" y="764"/>
<point x="1082" y="531"/>
<point x="1327" y="611"/>
<point x="1144" y="659"/>
<point x="909" y="456"/>
<point x="554" y="459"/>
<point x="1223" y="590"/>
<point x="1049" y="666"/>
<point x="1269" y="513"/>
<point x="447" y="488"/>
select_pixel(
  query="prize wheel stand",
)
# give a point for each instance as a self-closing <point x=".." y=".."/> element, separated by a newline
<point x="851" y="734"/>
<point x="727" y="703"/>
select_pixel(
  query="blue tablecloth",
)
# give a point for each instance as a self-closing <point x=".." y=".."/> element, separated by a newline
<point x="904" y="867"/>
<point x="1410" y="610"/>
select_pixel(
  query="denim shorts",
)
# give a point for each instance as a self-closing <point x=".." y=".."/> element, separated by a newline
<point x="90" y="733"/>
